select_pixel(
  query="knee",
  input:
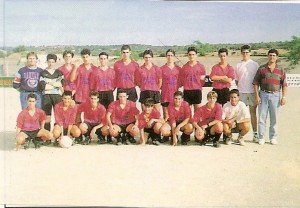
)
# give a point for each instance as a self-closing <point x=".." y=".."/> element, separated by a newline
<point x="219" y="127"/>
<point x="20" y="140"/>
<point x="188" y="128"/>
<point x="134" y="131"/>
<point x="166" y="130"/>
<point x="75" y="131"/>
<point x="157" y="128"/>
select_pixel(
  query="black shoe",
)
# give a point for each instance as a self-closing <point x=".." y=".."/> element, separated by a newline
<point x="131" y="139"/>
<point x="55" y="143"/>
<point x="26" y="145"/>
<point x="119" y="140"/>
<point x="156" y="142"/>
<point x="165" y="139"/>
<point x="78" y="140"/>
<point x="216" y="144"/>
<point x="101" y="140"/>
<point x="86" y="141"/>
<point x="47" y="142"/>
<point x="109" y="140"/>
<point x="36" y="144"/>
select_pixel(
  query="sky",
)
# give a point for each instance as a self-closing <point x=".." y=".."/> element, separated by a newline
<point x="91" y="22"/>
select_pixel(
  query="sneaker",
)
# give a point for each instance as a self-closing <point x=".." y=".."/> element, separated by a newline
<point x="119" y="141"/>
<point x="79" y="139"/>
<point x="216" y="144"/>
<point x="165" y="139"/>
<point x="131" y="139"/>
<point x="127" y="142"/>
<point x="261" y="141"/>
<point x="26" y="145"/>
<point x="156" y="142"/>
<point x="55" y="143"/>
<point x="255" y="137"/>
<point x="109" y="140"/>
<point x="274" y="141"/>
<point x="241" y="140"/>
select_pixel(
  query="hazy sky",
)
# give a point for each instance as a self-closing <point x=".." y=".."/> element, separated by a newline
<point x="90" y="22"/>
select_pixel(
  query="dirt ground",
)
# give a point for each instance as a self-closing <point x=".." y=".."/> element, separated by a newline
<point x="155" y="176"/>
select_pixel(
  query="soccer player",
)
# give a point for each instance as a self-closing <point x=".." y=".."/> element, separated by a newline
<point x="179" y="120"/>
<point x="30" y="124"/>
<point x="192" y="78"/>
<point x="27" y="79"/>
<point x="65" y="118"/>
<point x="82" y="77"/>
<point x="244" y="74"/>
<point x="269" y="80"/>
<point x="93" y="119"/>
<point x="150" y="122"/>
<point x="103" y="80"/>
<point x="122" y="118"/>
<point x="51" y="82"/>
<point x="67" y="69"/>
<point x="126" y="70"/>
<point x="207" y="121"/>
<point x="170" y="84"/>
<point x="150" y="81"/>
<point x="236" y="117"/>
<point x="222" y="74"/>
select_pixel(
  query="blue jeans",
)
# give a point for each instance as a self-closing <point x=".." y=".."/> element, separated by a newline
<point x="23" y="98"/>
<point x="269" y="104"/>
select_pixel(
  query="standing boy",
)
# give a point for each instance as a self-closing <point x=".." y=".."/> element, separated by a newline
<point x="27" y="81"/>
<point x="244" y="75"/>
<point x="126" y="70"/>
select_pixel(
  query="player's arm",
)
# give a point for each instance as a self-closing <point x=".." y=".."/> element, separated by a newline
<point x="17" y="81"/>
<point x="108" y="119"/>
<point x="74" y="73"/>
<point x="43" y="124"/>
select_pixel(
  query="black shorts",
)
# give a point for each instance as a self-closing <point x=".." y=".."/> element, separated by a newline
<point x="192" y="96"/>
<point x="131" y="92"/>
<point x="49" y="101"/>
<point x="106" y="97"/>
<point x="149" y="130"/>
<point x="223" y="95"/>
<point x="207" y="130"/>
<point x="31" y="134"/>
<point x="90" y="127"/>
<point x="123" y="127"/>
<point x="166" y="104"/>
<point x="155" y="95"/>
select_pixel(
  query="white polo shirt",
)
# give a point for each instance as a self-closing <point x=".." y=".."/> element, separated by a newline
<point x="244" y="74"/>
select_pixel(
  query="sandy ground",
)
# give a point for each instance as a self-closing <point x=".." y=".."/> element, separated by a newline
<point x="153" y="176"/>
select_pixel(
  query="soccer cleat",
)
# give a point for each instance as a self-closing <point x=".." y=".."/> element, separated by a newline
<point x="86" y="141"/>
<point x="101" y="140"/>
<point x="227" y="139"/>
<point x="216" y="144"/>
<point x="26" y="145"/>
<point x="255" y="137"/>
<point x="109" y="140"/>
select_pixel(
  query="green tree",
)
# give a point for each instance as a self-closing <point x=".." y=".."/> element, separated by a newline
<point x="203" y="48"/>
<point x="19" y="49"/>
<point x="293" y="55"/>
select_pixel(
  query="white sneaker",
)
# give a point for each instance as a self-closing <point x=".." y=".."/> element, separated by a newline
<point x="261" y="141"/>
<point x="274" y="141"/>
<point x="241" y="140"/>
<point x="255" y="137"/>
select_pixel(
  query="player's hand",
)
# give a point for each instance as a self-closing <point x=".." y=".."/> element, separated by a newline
<point x="258" y="100"/>
<point x="174" y="140"/>
<point x="283" y="101"/>
<point x="76" y="63"/>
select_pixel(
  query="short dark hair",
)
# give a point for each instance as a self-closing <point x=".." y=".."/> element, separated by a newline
<point x="223" y="50"/>
<point x="148" y="52"/>
<point x="122" y="91"/>
<point x="149" y="102"/>
<point x="68" y="52"/>
<point x="273" y="51"/>
<point x="125" y="47"/>
<point x="52" y="56"/>
<point x="103" y="54"/>
<point x="31" y="54"/>
<point x="67" y="93"/>
<point x="192" y="48"/>
<point x="234" y="91"/>
<point x="85" y="51"/>
<point x="94" y="93"/>
<point x="170" y="50"/>
<point x="245" y="47"/>
<point x="178" y="93"/>
<point x="32" y="95"/>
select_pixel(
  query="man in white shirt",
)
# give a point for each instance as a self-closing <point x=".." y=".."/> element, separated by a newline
<point x="235" y="117"/>
<point x="244" y="75"/>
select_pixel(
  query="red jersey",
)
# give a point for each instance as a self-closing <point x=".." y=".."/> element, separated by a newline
<point x="190" y="76"/>
<point x="143" y="120"/>
<point x="170" y="82"/>
<point x="96" y="116"/>
<point x="27" y="122"/>
<point x="125" y="74"/>
<point x="219" y="71"/>
<point x="101" y="80"/>
<point x="148" y="79"/>
<point x="123" y="116"/>
<point x="65" y="118"/>
<point x="68" y="85"/>
<point x="83" y="83"/>
<point x="203" y="115"/>
<point x="177" y="116"/>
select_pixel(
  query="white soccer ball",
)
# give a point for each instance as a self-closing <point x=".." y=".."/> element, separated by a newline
<point x="65" y="142"/>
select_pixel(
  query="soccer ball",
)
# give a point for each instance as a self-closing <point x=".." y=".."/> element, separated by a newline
<point x="65" y="142"/>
